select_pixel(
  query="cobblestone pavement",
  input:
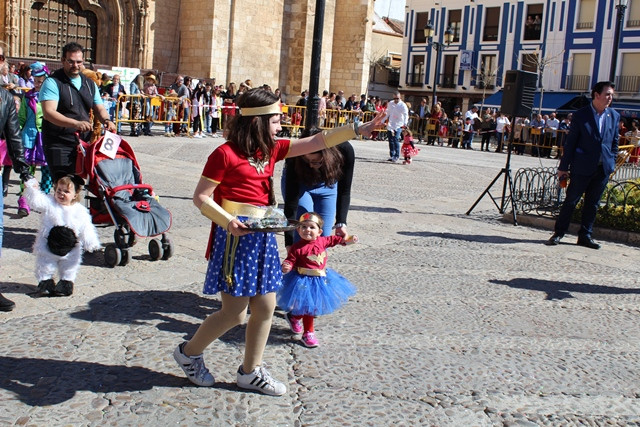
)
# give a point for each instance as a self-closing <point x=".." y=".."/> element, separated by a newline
<point x="458" y="321"/>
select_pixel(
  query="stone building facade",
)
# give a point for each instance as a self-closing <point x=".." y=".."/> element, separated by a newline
<point x="267" y="41"/>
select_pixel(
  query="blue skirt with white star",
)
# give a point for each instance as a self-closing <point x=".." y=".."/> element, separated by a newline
<point x="243" y="266"/>
<point x="314" y="295"/>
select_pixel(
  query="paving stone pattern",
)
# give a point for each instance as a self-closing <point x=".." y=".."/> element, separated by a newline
<point x="458" y="320"/>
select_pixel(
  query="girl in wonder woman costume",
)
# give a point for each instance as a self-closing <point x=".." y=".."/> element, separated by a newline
<point x="244" y="265"/>
<point x="309" y="288"/>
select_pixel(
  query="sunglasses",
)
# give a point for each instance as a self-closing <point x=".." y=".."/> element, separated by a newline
<point x="2" y="58"/>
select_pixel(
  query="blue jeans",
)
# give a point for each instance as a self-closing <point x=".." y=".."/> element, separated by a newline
<point x="394" y="143"/>
<point x="320" y="199"/>
<point x="112" y="115"/>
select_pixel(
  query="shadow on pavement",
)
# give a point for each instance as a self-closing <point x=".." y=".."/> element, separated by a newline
<point x="560" y="290"/>
<point x="42" y="382"/>
<point x="470" y="237"/>
<point x="374" y="209"/>
<point x="162" y="309"/>
<point x="143" y="307"/>
<point x="19" y="238"/>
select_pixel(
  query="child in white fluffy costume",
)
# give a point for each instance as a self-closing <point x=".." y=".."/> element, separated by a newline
<point x="66" y="231"/>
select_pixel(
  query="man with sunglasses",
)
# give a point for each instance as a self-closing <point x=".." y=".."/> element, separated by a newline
<point x="398" y="115"/>
<point x="67" y="96"/>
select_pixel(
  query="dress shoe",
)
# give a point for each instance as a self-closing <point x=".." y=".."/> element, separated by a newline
<point x="554" y="240"/>
<point x="6" y="304"/>
<point x="588" y="242"/>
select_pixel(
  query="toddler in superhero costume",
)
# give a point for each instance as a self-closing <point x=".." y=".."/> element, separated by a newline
<point x="309" y="288"/>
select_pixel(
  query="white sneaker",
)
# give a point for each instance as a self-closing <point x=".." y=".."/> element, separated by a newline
<point x="193" y="367"/>
<point x="260" y="380"/>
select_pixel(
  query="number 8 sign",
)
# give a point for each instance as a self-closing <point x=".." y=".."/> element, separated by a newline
<point x="110" y="144"/>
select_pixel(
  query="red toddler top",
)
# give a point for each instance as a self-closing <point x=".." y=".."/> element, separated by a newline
<point x="312" y="254"/>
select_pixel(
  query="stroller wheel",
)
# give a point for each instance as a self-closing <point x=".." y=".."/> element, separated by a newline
<point x="112" y="255"/>
<point x="120" y="237"/>
<point x="156" y="251"/>
<point x="167" y="246"/>
<point x="124" y="237"/>
<point x="126" y="257"/>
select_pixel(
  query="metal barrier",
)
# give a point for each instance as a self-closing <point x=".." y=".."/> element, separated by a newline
<point x="539" y="142"/>
<point x="379" y="133"/>
<point x="155" y="109"/>
<point x="293" y="120"/>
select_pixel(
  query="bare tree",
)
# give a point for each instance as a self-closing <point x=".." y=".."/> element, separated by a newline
<point x="486" y="75"/>
<point x="376" y="60"/>
<point x="534" y="59"/>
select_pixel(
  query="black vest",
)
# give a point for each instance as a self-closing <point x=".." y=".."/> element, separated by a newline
<point x="72" y="103"/>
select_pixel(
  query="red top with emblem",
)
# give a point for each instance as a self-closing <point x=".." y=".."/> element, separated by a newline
<point x="312" y="254"/>
<point x="240" y="179"/>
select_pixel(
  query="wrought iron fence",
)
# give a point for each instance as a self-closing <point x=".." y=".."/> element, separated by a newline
<point x="627" y="172"/>
<point x="536" y="192"/>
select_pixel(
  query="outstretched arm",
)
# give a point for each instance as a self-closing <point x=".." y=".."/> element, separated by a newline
<point x="333" y="137"/>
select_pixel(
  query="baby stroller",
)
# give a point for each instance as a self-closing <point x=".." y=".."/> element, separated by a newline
<point x="118" y="196"/>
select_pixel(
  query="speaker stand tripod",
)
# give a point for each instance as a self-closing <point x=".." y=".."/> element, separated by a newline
<point x="507" y="184"/>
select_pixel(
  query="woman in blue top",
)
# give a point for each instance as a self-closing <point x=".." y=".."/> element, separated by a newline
<point x="135" y="88"/>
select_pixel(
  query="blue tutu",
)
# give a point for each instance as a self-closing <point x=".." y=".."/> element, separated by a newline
<point x="251" y="262"/>
<point x="314" y="295"/>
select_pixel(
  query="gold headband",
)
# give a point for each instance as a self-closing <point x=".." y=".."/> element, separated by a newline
<point x="308" y="216"/>
<point x="274" y="108"/>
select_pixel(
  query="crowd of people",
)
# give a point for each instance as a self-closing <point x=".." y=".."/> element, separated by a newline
<point x="235" y="188"/>
<point x="542" y="135"/>
<point x="236" y="185"/>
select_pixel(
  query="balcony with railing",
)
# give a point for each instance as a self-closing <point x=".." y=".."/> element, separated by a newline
<point x="628" y="84"/>
<point x="584" y="25"/>
<point x="448" y="81"/>
<point x="577" y="82"/>
<point x="415" y="79"/>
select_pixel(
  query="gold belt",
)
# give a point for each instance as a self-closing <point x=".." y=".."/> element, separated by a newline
<point x="312" y="271"/>
<point x="243" y="209"/>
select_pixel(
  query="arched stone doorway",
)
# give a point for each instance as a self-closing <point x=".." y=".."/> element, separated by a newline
<point x="56" y="22"/>
<point x="114" y="32"/>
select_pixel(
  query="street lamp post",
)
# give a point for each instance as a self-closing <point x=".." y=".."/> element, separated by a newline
<point x="429" y="31"/>
<point x="621" y="7"/>
<point x="311" y="119"/>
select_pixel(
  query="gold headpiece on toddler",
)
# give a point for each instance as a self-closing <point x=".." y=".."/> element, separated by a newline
<point x="275" y="108"/>
<point x="312" y="216"/>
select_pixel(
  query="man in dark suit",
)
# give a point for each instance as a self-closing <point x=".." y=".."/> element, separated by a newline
<point x="590" y="152"/>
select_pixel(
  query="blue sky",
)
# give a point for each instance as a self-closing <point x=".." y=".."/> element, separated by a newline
<point x="391" y="8"/>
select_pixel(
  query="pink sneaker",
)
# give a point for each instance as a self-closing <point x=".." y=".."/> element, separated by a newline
<point x="294" y="323"/>
<point x="23" y="207"/>
<point x="309" y="339"/>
